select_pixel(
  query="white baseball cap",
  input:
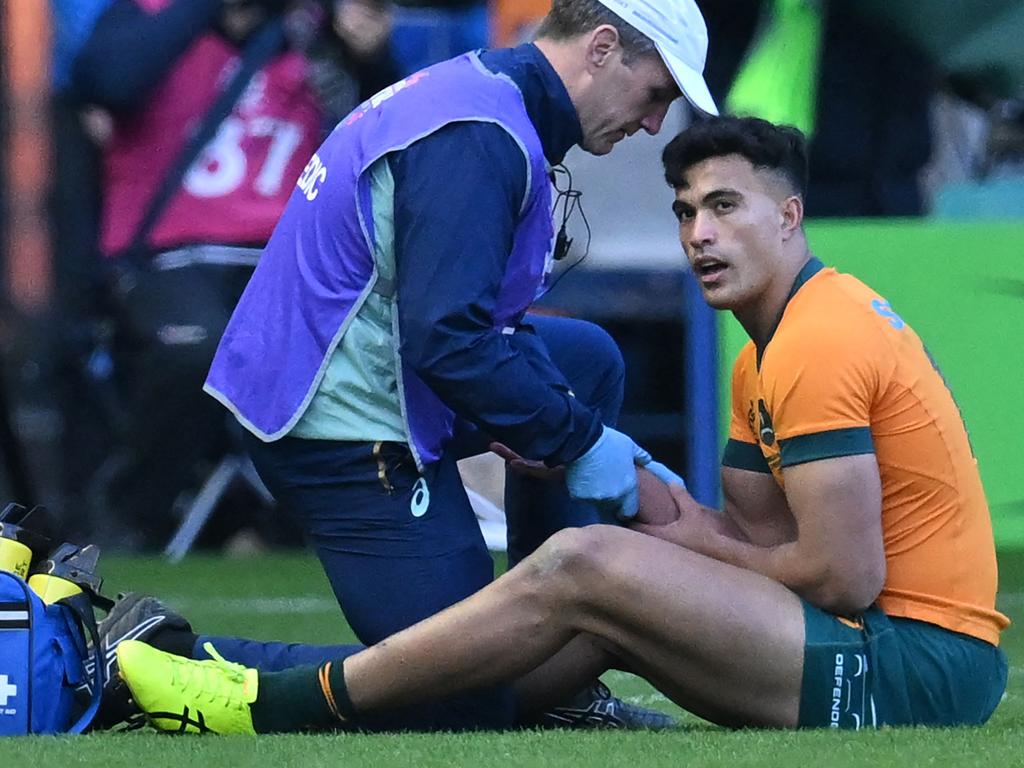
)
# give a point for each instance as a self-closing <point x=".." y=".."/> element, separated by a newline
<point x="681" y="37"/>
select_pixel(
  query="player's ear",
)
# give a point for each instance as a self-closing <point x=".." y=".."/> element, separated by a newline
<point x="792" y="218"/>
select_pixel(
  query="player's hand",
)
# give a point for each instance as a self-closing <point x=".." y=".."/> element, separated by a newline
<point x="606" y="476"/>
<point x="683" y="523"/>
<point x="528" y="467"/>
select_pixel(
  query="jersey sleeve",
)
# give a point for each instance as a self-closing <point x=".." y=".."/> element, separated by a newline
<point x="819" y="387"/>
<point x="742" y="450"/>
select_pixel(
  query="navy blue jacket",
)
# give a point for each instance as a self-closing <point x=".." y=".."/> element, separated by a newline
<point x="457" y="193"/>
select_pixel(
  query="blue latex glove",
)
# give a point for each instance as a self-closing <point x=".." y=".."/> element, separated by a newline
<point x="643" y="459"/>
<point x="606" y="476"/>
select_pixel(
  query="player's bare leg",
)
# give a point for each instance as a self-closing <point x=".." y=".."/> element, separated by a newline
<point x="725" y="643"/>
<point x="557" y="679"/>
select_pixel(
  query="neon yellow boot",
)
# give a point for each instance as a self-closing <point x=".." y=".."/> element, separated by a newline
<point x="181" y="695"/>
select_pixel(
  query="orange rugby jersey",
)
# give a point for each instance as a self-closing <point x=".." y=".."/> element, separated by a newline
<point x="843" y="375"/>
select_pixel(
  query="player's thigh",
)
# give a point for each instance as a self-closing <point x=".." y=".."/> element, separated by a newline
<point x="723" y="642"/>
<point x="397" y="546"/>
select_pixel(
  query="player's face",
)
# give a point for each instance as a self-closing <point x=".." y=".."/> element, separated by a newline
<point x="732" y="227"/>
<point x="623" y="99"/>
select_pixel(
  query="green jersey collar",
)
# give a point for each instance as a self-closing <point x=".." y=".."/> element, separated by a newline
<point x="809" y="270"/>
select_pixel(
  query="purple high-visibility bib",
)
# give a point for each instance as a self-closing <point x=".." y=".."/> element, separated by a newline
<point x="318" y="267"/>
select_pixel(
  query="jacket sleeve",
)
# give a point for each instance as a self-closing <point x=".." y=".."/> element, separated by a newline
<point x="458" y="194"/>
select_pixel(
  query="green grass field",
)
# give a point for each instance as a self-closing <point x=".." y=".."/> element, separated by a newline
<point x="285" y="597"/>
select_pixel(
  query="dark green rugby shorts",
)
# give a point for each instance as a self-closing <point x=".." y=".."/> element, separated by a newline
<point x="893" y="671"/>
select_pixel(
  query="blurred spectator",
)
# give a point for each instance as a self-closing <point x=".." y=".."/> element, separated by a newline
<point x="870" y="101"/>
<point x="516" y="20"/>
<point x="977" y="170"/>
<point x="429" y="31"/>
<point x="157" y="66"/>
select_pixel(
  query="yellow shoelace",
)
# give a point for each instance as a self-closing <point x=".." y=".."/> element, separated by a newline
<point x="206" y="680"/>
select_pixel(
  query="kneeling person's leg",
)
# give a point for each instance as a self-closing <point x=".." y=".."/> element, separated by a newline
<point x="592" y="365"/>
<point x="397" y="547"/>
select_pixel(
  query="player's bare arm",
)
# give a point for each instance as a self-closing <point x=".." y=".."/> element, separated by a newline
<point x="757" y="507"/>
<point x="755" y="510"/>
<point x="835" y="560"/>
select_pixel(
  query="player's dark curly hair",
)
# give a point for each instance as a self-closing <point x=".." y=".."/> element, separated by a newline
<point x="569" y="18"/>
<point x="781" y="148"/>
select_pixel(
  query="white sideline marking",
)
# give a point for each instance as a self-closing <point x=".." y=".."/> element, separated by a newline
<point x="300" y="604"/>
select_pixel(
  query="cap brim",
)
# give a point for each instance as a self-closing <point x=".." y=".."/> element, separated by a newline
<point x="690" y="82"/>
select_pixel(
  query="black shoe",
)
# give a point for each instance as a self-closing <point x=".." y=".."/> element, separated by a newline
<point x="135" y="616"/>
<point x="595" y="707"/>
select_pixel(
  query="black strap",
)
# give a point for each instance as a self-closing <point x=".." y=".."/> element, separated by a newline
<point x="261" y="47"/>
<point x="81" y="606"/>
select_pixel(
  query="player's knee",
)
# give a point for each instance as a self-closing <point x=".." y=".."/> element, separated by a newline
<point x="559" y="580"/>
<point x="573" y="553"/>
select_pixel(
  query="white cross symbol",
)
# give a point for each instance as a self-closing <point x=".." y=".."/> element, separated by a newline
<point x="7" y="691"/>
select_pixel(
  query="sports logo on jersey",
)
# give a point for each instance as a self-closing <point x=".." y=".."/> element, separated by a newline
<point x="886" y="311"/>
<point x="766" y="434"/>
<point x="375" y="101"/>
<point x="851" y="705"/>
<point x="314" y="174"/>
